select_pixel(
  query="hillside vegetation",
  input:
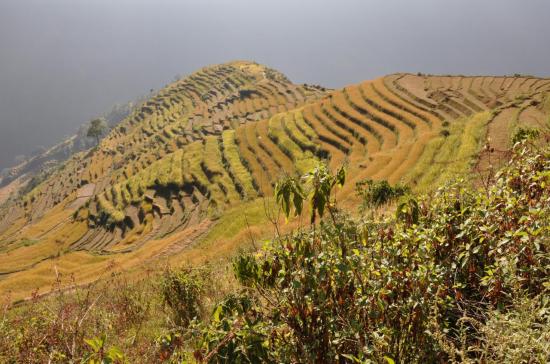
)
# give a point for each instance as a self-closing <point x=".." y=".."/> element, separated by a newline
<point x="173" y="179"/>
<point x="460" y="275"/>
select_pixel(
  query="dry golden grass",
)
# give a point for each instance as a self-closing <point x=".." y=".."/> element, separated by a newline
<point x="384" y="133"/>
<point x="409" y="110"/>
<point x="395" y="151"/>
<point x="404" y="130"/>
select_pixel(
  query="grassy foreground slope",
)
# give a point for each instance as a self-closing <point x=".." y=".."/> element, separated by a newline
<point x="459" y="277"/>
<point x="182" y="168"/>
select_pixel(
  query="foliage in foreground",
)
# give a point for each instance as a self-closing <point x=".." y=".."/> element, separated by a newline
<point x="434" y="285"/>
<point x="461" y="276"/>
<point x="378" y="193"/>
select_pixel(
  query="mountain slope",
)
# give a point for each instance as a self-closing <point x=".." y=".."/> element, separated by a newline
<point x="218" y="140"/>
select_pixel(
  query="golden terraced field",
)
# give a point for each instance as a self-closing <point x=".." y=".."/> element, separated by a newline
<point x="188" y="176"/>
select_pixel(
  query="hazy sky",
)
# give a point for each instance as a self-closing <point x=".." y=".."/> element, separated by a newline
<point x="63" y="62"/>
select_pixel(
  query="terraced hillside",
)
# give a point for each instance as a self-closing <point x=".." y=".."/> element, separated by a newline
<point x="220" y="138"/>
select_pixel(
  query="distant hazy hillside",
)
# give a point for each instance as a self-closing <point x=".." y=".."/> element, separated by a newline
<point x="218" y="140"/>
<point x="35" y="167"/>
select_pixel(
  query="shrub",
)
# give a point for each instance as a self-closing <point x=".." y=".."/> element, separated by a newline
<point x="378" y="193"/>
<point x="461" y="277"/>
<point x="524" y="134"/>
<point x="237" y="333"/>
<point x="181" y="291"/>
<point x="95" y="323"/>
<point x="100" y="354"/>
<point x="411" y="290"/>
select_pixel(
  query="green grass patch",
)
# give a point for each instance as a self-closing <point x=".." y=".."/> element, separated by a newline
<point x="449" y="157"/>
<point x="235" y="221"/>
<point x="213" y="163"/>
<point x="239" y="171"/>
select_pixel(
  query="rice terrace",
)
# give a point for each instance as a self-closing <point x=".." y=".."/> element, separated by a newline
<point x="236" y="216"/>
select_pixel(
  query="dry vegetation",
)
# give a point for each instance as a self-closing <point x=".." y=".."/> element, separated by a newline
<point x="460" y="275"/>
<point x="188" y="175"/>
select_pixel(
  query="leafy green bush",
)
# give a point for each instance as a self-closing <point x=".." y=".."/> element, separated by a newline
<point x="407" y="290"/>
<point x="236" y="334"/>
<point x="460" y="277"/>
<point x="100" y="354"/>
<point x="181" y="292"/>
<point x="525" y="133"/>
<point x="291" y="192"/>
<point x="378" y="193"/>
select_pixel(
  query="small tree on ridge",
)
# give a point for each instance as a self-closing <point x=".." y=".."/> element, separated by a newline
<point x="97" y="128"/>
